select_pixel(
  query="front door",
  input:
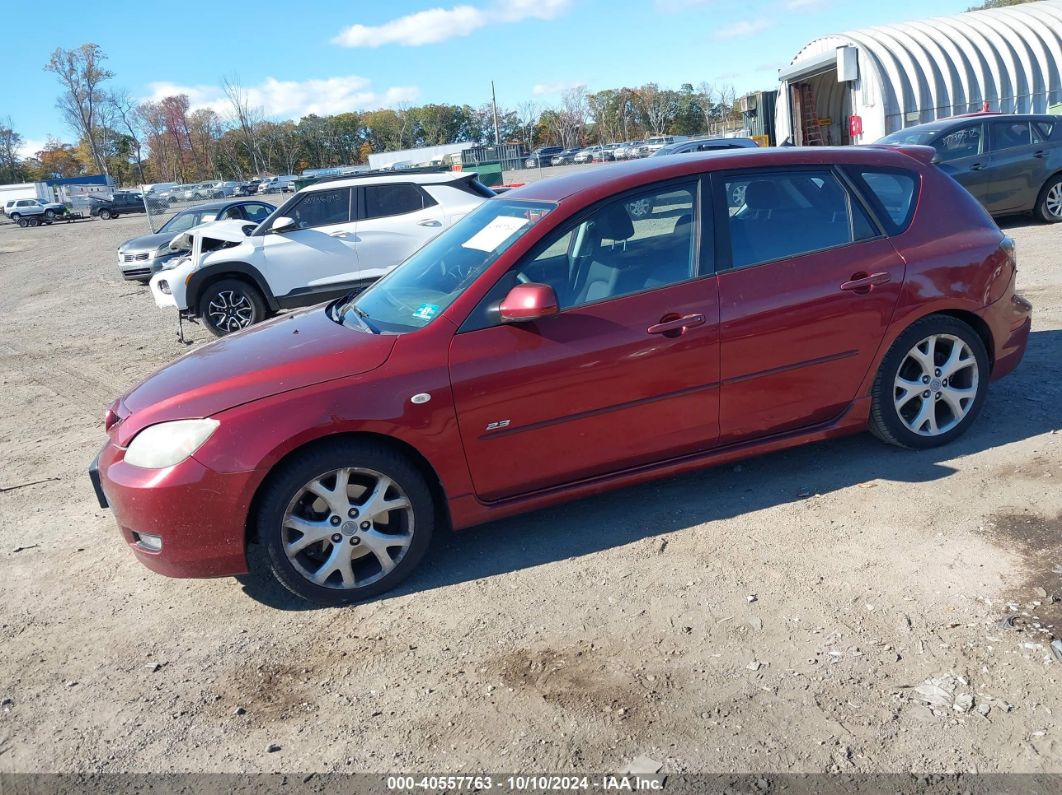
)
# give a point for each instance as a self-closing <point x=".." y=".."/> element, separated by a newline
<point x="811" y="287"/>
<point x="316" y="256"/>
<point x="625" y="375"/>
<point x="395" y="220"/>
<point x="963" y="154"/>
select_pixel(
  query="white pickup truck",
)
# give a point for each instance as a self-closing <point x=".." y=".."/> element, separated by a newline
<point x="30" y="212"/>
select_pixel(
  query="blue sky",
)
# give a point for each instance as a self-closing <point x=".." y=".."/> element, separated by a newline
<point x="327" y="56"/>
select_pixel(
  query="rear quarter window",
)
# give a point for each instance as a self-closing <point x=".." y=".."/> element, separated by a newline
<point x="892" y="193"/>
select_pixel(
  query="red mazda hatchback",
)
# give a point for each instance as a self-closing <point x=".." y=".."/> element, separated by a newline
<point x="575" y="335"/>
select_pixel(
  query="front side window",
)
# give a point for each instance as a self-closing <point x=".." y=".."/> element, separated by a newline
<point x="422" y="287"/>
<point x="1009" y="134"/>
<point x="256" y="212"/>
<point x="395" y="199"/>
<point x="623" y="247"/>
<point x="773" y="216"/>
<point x="964" y="142"/>
<point x="322" y="208"/>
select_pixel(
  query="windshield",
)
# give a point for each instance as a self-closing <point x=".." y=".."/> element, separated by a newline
<point x="182" y="222"/>
<point x="422" y="287"/>
<point x="922" y="137"/>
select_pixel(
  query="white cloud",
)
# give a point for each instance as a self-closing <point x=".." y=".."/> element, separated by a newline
<point x="30" y="147"/>
<point x="440" y="24"/>
<point x="292" y="99"/>
<point x="746" y="27"/>
<point x="674" y="6"/>
<point x="543" y="89"/>
<point x="806" y="5"/>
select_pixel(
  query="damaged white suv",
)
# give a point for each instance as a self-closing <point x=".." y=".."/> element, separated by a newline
<point x="330" y="238"/>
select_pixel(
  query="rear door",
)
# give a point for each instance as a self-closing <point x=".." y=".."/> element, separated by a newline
<point x="625" y="375"/>
<point x="809" y="288"/>
<point x="963" y="153"/>
<point x="394" y="220"/>
<point x="318" y="256"/>
<point x="1017" y="165"/>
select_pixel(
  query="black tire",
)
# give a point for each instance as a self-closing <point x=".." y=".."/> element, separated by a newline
<point x="282" y="490"/>
<point x="33" y="221"/>
<point x="889" y="422"/>
<point x="1049" y="202"/>
<point x="49" y="215"/>
<point x="106" y="214"/>
<point x="230" y="305"/>
<point x="23" y="222"/>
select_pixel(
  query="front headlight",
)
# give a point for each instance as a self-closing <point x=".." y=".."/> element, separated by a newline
<point x="168" y="443"/>
<point x="170" y="264"/>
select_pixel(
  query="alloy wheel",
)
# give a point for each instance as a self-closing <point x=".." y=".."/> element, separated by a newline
<point x="936" y="385"/>
<point x="1053" y="200"/>
<point x="347" y="528"/>
<point x="230" y="310"/>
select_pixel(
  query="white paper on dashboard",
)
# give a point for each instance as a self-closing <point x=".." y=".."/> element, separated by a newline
<point x="495" y="233"/>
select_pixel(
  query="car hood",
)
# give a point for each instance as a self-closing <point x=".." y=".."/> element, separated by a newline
<point x="146" y="242"/>
<point x="283" y="354"/>
<point x="230" y="230"/>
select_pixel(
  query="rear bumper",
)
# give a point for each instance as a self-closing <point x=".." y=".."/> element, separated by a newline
<point x="1010" y="321"/>
<point x="199" y="514"/>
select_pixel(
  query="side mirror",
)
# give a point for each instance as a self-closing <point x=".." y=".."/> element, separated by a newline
<point x="283" y="224"/>
<point x="527" y="302"/>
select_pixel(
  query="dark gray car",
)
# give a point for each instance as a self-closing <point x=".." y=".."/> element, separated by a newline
<point x="1011" y="163"/>
<point x="704" y="145"/>
<point x="142" y="257"/>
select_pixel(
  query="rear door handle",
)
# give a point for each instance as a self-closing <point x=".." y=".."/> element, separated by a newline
<point x="976" y="167"/>
<point x="429" y="222"/>
<point x="862" y="282"/>
<point x="678" y="325"/>
<point x="1041" y="154"/>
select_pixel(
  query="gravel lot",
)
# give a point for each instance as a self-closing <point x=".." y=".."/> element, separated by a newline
<point x="773" y="616"/>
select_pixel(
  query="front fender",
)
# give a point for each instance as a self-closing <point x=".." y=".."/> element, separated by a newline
<point x="208" y="273"/>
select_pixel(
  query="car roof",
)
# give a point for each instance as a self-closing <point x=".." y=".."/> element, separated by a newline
<point x="616" y="177"/>
<point x="971" y="118"/>
<point x="219" y="203"/>
<point x="421" y="178"/>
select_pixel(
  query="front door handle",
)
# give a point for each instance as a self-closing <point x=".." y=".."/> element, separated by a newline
<point x="863" y="282"/>
<point x="430" y="222"/>
<point x="976" y="167"/>
<point x="676" y="326"/>
<point x="1041" y="154"/>
<point x="339" y="234"/>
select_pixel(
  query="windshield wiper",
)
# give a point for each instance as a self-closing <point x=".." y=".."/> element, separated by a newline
<point x="363" y="318"/>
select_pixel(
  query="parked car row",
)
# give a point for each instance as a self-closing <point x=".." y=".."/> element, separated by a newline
<point x="765" y="300"/>
<point x="631" y="150"/>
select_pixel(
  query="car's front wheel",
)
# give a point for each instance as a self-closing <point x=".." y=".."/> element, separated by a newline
<point x="345" y="521"/>
<point x="50" y="215"/>
<point x="106" y="214"/>
<point x="930" y="385"/>
<point x="230" y="305"/>
<point x="1049" y="204"/>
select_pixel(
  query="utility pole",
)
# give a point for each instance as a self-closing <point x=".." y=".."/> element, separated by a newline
<point x="497" y="132"/>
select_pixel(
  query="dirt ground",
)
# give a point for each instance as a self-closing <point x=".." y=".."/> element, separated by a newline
<point x="779" y="615"/>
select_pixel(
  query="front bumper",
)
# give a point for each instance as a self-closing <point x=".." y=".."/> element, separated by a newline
<point x="199" y="514"/>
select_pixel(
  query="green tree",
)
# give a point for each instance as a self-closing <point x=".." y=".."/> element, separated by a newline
<point x="81" y="74"/>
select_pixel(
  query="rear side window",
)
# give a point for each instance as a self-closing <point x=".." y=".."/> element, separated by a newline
<point x="1009" y="134"/>
<point x="773" y="216"/>
<point x="892" y="194"/>
<point x="398" y="199"/>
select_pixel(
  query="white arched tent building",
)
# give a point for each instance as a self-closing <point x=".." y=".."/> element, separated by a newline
<point x="855" y="87"/>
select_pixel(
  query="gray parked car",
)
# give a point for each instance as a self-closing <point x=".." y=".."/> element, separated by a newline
<point x="142" y="257"/>
<point x="704" y="145"/>
<point x="1011" y="163"/>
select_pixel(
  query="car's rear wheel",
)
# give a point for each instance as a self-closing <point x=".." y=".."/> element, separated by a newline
<point x="106" y="214"/>
<point x="1049" y="205"/>
<point x="931" y="384"/>
<point x="230" y="305"/>
<point x="345" y="521"/>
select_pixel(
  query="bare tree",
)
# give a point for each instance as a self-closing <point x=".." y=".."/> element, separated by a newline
<point x="527" y="114"/>
<point x="10" y="141"/>
<point x="247" y="118"/>
<point x="658" y="106"/>
<point x="572" y="118"/>
<point x="80" y="73"/>
<point x="124" y="111"/>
